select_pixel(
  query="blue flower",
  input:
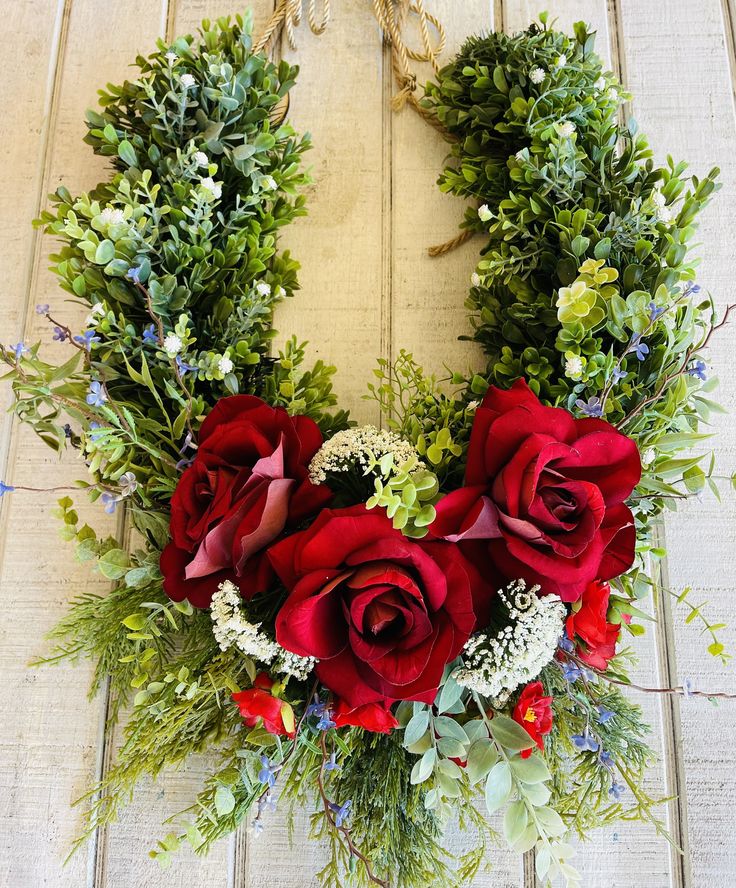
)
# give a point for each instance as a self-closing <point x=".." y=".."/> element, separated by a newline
<point x="593" y="407"/>
<point x="60" y="335"/>
<point x="134" y="274"/>
<point x="94" y="435"/>
<point x="67" y="431"/>
<point x="185" y="368"/>
<point x="640" y="348"/>
<point x="604" y="715"/>
<point x="96" y="396"/>
<point x="268" y="772"/>
<point x="43" y="309"/>
<point x="691" y="289"/>
<point x="332" y="764"/>
<point x="19" y="349"/>
<point x="655" y="311"/>
<point x="585" y="742"/>
<point x="323" y="713"/>
<point x="616" y="791"/>
<point x="110" y="502"/>
<point x="87" y="338"/>
<point x="618" y="373"/>
<point x="5" y="488"/>
<point x="698" y="370"/>
<point x="565" y="644"/>
<point x="341" y="812"/>
<point x="571" y="671"/>
<point x="184" y="464"/>
<point x="150" y="335"/>
<point x="606" y="759"/>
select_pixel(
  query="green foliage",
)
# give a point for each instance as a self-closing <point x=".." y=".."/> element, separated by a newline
<point x="407" y="492"/>
<point x="587" y="249"/>
<point x="177" y="256"/>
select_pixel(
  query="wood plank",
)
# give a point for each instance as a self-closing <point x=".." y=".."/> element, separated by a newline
<point x="49" y="741"/>
<point x="628" y="851"/>
<point x="687" y="111"/>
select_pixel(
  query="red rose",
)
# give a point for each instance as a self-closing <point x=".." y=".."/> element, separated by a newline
<point x="544" y="492"/>
<point x="249" y="480"/>
<point x="383" y="614"/>
<point x="533" y="712"/>
<point x="373" y="717"/>
<point x="587" y="626"/>
<point x="258" y="705"/>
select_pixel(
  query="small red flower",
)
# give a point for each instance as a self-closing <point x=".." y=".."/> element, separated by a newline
<point x="258" y="705"/>
<point x="373" y="717"/>
<point x="533" y="712"/>
<point x="594" y="637"/>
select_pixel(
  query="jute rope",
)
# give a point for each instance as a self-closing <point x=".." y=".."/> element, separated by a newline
<point x="392" y="16"/>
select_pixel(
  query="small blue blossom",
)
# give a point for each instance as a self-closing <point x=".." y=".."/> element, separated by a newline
<point x="698" y="370"/>
<point x="268" y="772"/>
<point x="565" y="644"/>
<point x="67" y="431"/>
<point x="96" y="396"/>
<point x="691" y="289"/>
<point x="585" y="742"/>
<point x="150" y="335"/>
<point x="341" y="812"/>
<point x="43" y="309"/>
<point x="87" y="338"/>
<point x="325" y="722"/>
<point x="687" y="688"/>
<point x="323" y="713"/>
<point x="604" y="715"/>
<point x="332" y="764"/>
<point x="134" y="274"/>
<point x="616" y="791"/>
<point x="187" y="444"/>
<point x="60" y="335"/>
<point x="618" y="373"/>
<point x="606" y="759"/>
<point x="95" y="435"/>
<point x="110" y="502"/>
<point x="5" y="488"/>
<point x="656" y="311"/>
<point x="593" y="407"/>
<point x="19" y="349"/>
<point x="571" y="671"/>
<point x="185" y="368"/>
<point x="184" y="464"/>
<point x="641" y="349"/>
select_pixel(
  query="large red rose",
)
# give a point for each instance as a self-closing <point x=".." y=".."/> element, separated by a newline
<point x="249" y="481"/>
<point x="595" y="638"/>
<point x="382" y="614"/>
<point x="545" y="493"/>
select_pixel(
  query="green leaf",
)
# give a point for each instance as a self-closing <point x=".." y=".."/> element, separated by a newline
<point x="105" y="252"/>
<point x="127" y="154"/>
<point x="416" y="728"/>
<point x="448" y="727"/>
<point x="135" y="622"/>
<point x="114" y="564"/>
<point x="509" y="734"/>
<point x="422" y="770"/>
<point x="498" y="787"/>
<point x="531" y="770"/>
<point x="224" y="800"/>
<point x="481" y="758"/>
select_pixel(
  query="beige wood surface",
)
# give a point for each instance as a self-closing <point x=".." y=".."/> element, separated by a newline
<point x="368" y="289"/>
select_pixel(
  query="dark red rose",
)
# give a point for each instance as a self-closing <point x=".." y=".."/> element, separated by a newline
<point x="587" y="626"/>
<point x="373" y="717"/>
<point x="383" y="614"/>
<point x="248" y="482"/>
<point x="544" y="493"/>
<point x="257" y="705"/>
<point x="533" y="712"/>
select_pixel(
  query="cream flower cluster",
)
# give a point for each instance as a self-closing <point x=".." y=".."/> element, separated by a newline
<point x="496" y="662"/>
<point x="231" y="629"/>
<point x="363" y="447"/>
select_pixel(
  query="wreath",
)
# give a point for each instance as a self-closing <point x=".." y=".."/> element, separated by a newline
<point x="390" y="621"/>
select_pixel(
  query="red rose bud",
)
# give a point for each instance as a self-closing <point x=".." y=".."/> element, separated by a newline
<point x="373" y="717"/>
<point x="595" y="638"/>
<point x="257" y="705"/>
<point x="544" y="495"/>
<point x="533" y="712"/>
<point x="248" y="482"/>
<point x="382" y="614"/>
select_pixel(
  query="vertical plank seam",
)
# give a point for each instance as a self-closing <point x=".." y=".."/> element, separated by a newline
<point x="728" y="12"/>
<point x="674" y="765"/>
<point x="674" y="769"/>
<point x="8" y="435"/>
<point x="387" y="216"/>
<point x="98" y="854"/>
